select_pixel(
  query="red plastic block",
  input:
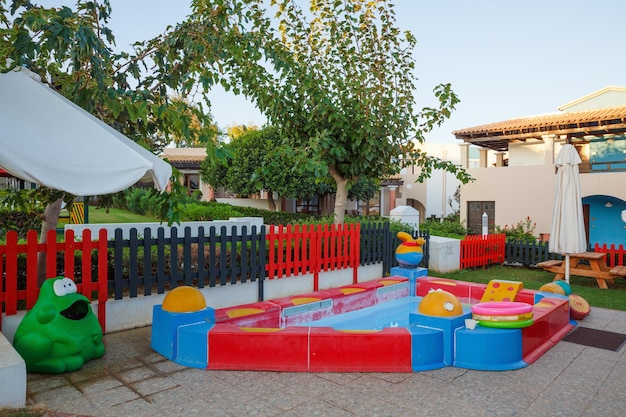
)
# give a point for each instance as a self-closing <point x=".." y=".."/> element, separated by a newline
<point x="459" y="289"/>
<point x="299" y="309"/>
<point x="351" y="297"/>
<point x="383" y="295"/>
<point x="299" y="299"/>
<point x="262" y="349"/>
<point x="261" y="314"/>
<point x="551" y="318"/>
<point x="477" y="291"/>
<point x="526" y="296"/>
<point x="387" y="350"/>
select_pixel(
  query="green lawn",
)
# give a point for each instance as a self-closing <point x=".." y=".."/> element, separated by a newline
<point x="613" y="298"/>
<point x="115" y="215"/>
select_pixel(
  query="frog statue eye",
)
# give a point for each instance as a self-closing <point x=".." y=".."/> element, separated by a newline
<point x="64" y="286"/>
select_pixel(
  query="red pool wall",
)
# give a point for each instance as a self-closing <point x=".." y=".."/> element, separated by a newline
<point x="255" y="341"/>
<point x="388" y="350"/>
<point x="231" y="347"/>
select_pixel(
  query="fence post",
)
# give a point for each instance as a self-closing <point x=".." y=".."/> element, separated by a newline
<point x="11" y="274"/>
<point x="32" y="284"/>
<point x="355" y="255"/>
<point x="103" y="277"/>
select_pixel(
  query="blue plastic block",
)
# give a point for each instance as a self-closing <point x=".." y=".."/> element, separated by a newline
<point x="426" y="349"/>
<point x="165" y="327"/>
<point x="489" y="349"/>
<point x="447" y="325"/>
<point x="193" y="347"/>
<point x="412" y="274"/>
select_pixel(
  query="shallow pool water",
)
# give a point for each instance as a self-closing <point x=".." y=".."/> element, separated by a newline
<point x="390" y="314"/>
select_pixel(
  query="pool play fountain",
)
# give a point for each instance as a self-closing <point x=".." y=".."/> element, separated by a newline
<point x="283" y="335"/>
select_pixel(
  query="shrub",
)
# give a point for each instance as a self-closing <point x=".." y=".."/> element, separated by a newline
<point x="522" y="231"/>
<point x="19" y="221"/>
<point x="449" y="229"/>
<point x="209" y="211"/>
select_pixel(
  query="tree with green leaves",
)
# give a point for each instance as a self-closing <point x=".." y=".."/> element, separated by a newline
<point x="336" y="81"/>
<point x="257" y="160"/>
<point x="134" y="92"/>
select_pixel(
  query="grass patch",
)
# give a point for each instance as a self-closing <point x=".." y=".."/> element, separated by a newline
<point x="114" y="215"/>
<point x="613" y="298"/>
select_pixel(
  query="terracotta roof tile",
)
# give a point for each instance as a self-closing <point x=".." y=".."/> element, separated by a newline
<point x="574" y="124"/>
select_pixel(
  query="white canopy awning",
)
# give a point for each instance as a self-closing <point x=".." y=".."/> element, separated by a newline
<point x="47" y="139"/>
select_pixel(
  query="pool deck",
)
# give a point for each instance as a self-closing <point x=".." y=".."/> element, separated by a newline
<point x="132" y="380"/>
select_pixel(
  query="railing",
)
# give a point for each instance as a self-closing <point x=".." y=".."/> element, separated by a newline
<point x="607" y="166"/>
<point x="14" y="291"/>
<point x="301" y="249"/>
<point x="155" y="264"/>
<point x="615" y="256"/>
<point x="522" y="253"/>
<point x="146" y="264"/>
<point x="478" y="250"/>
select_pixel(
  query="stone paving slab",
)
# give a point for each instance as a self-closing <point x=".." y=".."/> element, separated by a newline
<point x="131" y="380"/>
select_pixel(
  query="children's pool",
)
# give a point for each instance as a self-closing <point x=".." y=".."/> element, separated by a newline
<point x="375" y="326"/>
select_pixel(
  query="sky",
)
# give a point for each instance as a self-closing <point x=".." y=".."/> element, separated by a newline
<point x="504" y="58"/>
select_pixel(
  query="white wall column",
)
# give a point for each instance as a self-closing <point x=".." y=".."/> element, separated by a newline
<point x="483" y="152"/>
<point x="548" y="141"/>
<point x="499" y="159"/>
<point x="464" y="155"/>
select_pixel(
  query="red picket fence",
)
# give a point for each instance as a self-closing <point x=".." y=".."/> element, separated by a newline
<point x="302" y="249"/>
<point x="615" y="256"/>
<point x="478" y="250"/>
<point x="11" y="293"/>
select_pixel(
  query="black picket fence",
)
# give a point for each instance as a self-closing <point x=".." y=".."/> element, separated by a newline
<point x="147" y="264"/>
<point x="520" y="253"/>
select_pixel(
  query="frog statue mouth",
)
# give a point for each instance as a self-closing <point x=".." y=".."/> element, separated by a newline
<point x="78" y="310"/>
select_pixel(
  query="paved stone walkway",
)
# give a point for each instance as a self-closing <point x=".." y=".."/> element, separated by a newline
<point x="131" y="380"/>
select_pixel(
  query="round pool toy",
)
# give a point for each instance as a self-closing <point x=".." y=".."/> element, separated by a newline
<point x="503" y="314"/>
<point x="506" y="324"/>
<point x="578" y="307"/>
<point x="440" y="304"/>
<point x="501" y="308"/>
<point x="409" y="253"/>
<point x="552" y="287"/>
<point x="184" y="300"/>
<point x="511" y="317"/>
<point x="566" y="287"/>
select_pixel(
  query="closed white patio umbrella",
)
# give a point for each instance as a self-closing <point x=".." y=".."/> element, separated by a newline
<point x="47" y="139"/>
<point x="567" y="234"/>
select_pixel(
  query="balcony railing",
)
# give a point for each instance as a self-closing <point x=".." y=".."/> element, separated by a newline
<point x="593" y="167"/>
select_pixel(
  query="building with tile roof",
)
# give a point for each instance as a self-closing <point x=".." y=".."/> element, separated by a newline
<point x="521" y="182"/>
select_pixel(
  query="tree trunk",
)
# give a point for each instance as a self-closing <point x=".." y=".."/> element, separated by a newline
<point x="341" y="197"/>
<point x="270" y="201"/>
<point x="50" y="220"/>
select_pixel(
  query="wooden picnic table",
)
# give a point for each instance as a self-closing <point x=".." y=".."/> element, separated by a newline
<point x="586" y="264"/>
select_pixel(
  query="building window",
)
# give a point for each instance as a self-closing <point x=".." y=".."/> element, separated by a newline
<point x="475" y="210"/>
<point x="370" y="207"/>
<point x="309" y="205"/>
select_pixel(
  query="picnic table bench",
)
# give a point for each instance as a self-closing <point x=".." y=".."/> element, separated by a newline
<point x="596" y="268"/>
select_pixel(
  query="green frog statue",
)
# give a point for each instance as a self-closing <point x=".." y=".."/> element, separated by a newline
<point x="61" y="332"/>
